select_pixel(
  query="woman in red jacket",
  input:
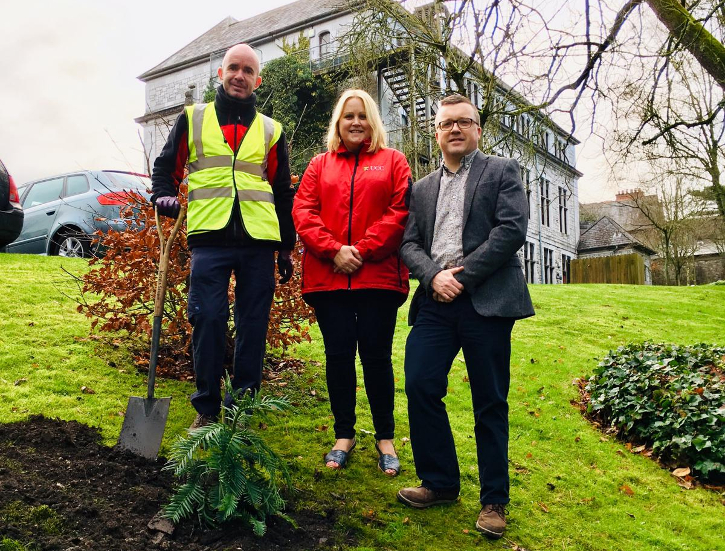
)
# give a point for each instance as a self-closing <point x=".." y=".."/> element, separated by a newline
<point x="350" y="212"/>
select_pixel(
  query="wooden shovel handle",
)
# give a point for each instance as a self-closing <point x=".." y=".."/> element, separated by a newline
<point x="164" y="259"/>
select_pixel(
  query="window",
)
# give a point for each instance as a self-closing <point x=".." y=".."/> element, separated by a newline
<point x="548" y="265"/>
<point x="544" y="201"/>
<point x="565" y="269"/>
<point x="75" y="185"/>
<point x="474" y="96"/>
<point x="526" y="179"/>
<point x="529" y="262"/>
<point x="43" y="192"/>
<point x="324" y="44"/>
<point x="525" y="126"/>
<point x="127" y="181"/>
<point x="563" y="211"/>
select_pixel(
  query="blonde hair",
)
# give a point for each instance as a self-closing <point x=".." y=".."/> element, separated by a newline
<point x="378" y="137"/>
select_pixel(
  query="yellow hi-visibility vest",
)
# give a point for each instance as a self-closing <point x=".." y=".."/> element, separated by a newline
<point x="216" y="179"/>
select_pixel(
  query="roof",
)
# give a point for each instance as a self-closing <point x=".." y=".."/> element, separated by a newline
<point x="254" y="30"/>
<point x="627" y="213"/>
<point x="605" y="233"/>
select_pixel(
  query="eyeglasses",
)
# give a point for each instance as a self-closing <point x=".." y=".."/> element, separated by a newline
<point x="463" y="124"/>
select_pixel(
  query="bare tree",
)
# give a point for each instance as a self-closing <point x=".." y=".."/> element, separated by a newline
<point x="656" y="65"/>
<point x="563" y="48"/>
<point x="668" y="220"/>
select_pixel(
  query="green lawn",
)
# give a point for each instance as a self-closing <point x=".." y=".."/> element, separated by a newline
<point x="567" y="478"/>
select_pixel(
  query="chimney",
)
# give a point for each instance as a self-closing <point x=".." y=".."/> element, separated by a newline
<point x="629" y="195"/>
<point x="189" y="95"/>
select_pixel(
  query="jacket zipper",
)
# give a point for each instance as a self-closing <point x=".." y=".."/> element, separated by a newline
<point x="349" y="220"/>
<point x="234" y="176"/>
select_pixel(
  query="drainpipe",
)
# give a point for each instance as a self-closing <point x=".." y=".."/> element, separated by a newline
<point x="541" y="245"/>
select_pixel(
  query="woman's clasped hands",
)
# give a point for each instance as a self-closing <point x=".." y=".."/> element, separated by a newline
<point x="347" y="260"/>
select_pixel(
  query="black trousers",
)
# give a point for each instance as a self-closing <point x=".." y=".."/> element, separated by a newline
<point x="440" y="331"/>
<point x="364" y="321"/>
<point x="208" y="310"/>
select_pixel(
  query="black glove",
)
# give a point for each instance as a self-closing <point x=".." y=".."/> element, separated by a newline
<point x="168" y="206"/>
<point x="285" y="266"/>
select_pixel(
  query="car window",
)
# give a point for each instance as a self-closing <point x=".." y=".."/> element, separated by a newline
<point x="43" y="192"/>
<point x="129" y="181"/>
<point x="75" y="185"/>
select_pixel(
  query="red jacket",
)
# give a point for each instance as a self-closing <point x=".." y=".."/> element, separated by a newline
<point x="360" y="200"/>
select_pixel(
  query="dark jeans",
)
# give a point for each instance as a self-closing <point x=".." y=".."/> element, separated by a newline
<point x="211" y="270"/>
<point x="440" y="331"/>
<point x="363" y="319"/>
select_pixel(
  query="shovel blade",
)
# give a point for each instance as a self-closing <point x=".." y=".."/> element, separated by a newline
<point x="143" y="425"/>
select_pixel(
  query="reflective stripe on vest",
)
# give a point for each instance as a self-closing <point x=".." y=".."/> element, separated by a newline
<point x="213" y="184"/>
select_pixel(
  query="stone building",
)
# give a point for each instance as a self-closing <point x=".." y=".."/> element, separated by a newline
<point x="703" y="260"/>
<point x="605" y="237"/>
<point x="544" y="150"/>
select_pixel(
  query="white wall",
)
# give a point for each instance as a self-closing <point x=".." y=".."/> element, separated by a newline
<point x="169" y="90"/>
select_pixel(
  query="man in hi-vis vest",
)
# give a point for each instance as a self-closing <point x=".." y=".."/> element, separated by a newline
<point x="239" y="214"/>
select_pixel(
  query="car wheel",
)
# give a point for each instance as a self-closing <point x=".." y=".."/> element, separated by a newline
<point x="73" y="244"/>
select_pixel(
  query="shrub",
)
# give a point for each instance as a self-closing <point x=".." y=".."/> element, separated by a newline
<point x="667" y="396"/>
<point x="229" y="472"/>
<point x="123" y="284"/>
<point x="301" y="101"/>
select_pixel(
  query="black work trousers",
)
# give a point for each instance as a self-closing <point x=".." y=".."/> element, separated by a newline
<point x="208" y="310"/>
<point x="440" y="331"/>
<point x="360" y="320"/>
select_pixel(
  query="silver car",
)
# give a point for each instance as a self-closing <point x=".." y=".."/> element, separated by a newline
<point x="63" y="212"/>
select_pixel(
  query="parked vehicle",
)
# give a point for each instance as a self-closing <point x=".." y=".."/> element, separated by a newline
<point x="63" y="212"/>
<point x="11" y="213"/>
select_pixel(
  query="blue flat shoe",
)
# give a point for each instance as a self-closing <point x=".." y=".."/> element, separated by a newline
<point x="339" y="456"/>
<point x="387" y="462"/>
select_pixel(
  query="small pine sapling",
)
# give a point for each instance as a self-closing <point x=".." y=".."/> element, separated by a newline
<point x="228" y="471"/>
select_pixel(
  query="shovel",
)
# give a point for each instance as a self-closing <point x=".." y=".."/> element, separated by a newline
<point x="145" y="419"/>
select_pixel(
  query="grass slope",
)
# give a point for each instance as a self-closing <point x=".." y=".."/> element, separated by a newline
<point x="571" y="488"/>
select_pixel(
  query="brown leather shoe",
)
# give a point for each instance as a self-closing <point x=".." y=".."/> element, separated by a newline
<point x="421" y="497"/>
<point x="492" y="520"/>
<point x="201" y="420"/>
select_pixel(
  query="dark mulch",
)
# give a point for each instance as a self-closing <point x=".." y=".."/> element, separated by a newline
<point x="60" y="489"/>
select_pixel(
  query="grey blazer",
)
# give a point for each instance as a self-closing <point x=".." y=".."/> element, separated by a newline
<point x="495" y="218"/>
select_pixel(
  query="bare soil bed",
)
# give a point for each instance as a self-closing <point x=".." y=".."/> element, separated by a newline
<point x="60" y="489"/>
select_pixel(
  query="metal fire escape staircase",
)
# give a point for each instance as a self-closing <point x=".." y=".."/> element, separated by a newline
<point x="397" y="80"/>
<point x="416" y="93"/>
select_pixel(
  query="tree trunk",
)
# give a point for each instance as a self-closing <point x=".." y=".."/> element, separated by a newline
<point x="698" y="41"/>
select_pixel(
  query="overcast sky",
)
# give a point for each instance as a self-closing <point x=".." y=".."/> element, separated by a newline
<point x="69" y="92"/>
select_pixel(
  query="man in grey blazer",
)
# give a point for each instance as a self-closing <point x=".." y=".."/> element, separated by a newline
<point x="467" y="221"/>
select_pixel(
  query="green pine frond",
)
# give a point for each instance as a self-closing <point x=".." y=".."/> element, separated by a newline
<point x="227" y="506"/>
<point x="259" y="527"/>
<point x="230" y="472"/>
<point x="206" y="516"/>
<point x="288" y="518"/>
<point x="183" y="503"/>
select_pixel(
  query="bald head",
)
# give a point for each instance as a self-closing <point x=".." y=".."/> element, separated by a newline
<point x="239" y="72"/>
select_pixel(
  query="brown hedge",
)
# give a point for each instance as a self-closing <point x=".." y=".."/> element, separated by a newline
<point x="117" y="293"/>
